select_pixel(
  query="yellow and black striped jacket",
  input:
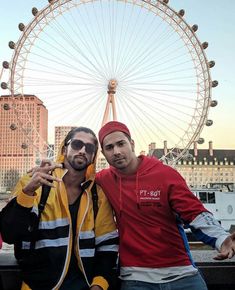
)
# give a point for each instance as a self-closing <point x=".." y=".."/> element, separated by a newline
<point x="45" y="266"/>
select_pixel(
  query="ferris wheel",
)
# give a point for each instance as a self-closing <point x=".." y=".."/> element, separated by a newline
<point x="135" y="61"/>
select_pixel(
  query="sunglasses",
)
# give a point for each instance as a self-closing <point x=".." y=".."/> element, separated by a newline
<point x="79" y="144"/>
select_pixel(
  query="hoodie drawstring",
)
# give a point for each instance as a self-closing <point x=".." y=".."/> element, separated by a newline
<point x="136" y="193"/>
<point x="137" y="190"/>
<point x="120" y="196"/>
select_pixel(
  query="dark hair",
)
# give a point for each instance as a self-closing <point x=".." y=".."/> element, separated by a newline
<point x="72" y="132"/>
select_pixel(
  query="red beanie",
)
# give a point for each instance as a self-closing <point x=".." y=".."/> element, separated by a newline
<point x="111" y="127"/>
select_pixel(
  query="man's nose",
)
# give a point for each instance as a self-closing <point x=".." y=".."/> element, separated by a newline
<point x="83" y="149"/>
<point x="116" y="150"/>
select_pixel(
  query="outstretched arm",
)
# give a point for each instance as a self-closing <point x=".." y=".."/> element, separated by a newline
<point x="227" y="248"/>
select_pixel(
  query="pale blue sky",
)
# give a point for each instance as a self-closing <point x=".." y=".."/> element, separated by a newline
<point x="216" y="21"/>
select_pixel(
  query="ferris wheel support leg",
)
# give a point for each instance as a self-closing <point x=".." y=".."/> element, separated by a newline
<point x="106" y="112"/>
<point x="113" y="108"/>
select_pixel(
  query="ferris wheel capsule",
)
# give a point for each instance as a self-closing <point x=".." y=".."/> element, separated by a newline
<point x="11" y="44"/>
<point x="4" y="85"/>
<point x="213" y="103"/>
<point x="211" y="63"/>
<point x="24" y="146"/>
<point x="181" y="12"/>
<point x="205" y="45"/>
<point x="6" y="107"/>
<point x="209" y="122"/>
<point x="214" y="84"/>
<point x="5" y="64"/>
<point x="21" y="26"/>
<point x="165" y="1"/>
<point x="13" y="126"/>
<point x="195" y="27"/>
<point x="200" y="141"/>
<point x="34" y="11"/>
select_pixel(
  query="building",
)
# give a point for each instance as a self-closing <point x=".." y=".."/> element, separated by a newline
<point x="60" y="134"/>
<point x="203" y="166"/>
<point x="101" y="162"/>
<point x="23" y="131"/>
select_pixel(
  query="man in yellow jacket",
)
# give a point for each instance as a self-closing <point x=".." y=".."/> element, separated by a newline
<point x="68" y="247"/>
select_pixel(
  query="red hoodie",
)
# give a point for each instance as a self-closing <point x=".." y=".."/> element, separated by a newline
<point x="150" y="206"/>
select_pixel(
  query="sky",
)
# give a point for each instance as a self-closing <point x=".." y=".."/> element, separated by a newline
<point x="216" y="22"/>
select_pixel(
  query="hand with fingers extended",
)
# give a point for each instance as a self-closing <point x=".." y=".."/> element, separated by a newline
<point x="227" y="248"/>
<point x="44" y="163"/>
<point x="41" y="175"/>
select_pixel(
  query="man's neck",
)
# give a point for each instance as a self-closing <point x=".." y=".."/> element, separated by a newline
<point x="72" y="181"/>
<point x="132" y="168"/>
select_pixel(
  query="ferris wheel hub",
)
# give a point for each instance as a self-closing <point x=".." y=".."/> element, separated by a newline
<point x="112" y="86"/>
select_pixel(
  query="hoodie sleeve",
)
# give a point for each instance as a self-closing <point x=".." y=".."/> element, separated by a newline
<point x="17" y="217"/>
<point x="106" y="242"/>
<point x="194" y="215"/>
<point x="183" y="202"/>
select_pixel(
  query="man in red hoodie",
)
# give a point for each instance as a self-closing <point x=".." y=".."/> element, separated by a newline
<point x="152" y="202"/>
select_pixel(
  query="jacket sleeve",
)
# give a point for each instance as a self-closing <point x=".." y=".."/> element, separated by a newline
<point x="17" y="217"/>
<point x="106" y="240"/>
<point x="208" y="230"/>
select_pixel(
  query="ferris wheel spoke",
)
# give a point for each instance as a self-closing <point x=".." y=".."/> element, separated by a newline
<point x="137" y="124"/>
<point x="169" y="111"/>
<point x="143" y="65"/>
<point x="146" y="52"/>
<point x="75" y="50"/>
<point x="147" y="119"/>
<point x="93" y="38"/>
<point x="124" y="44"/>
<point x="169" y="105"/>
<point x="58" y="62"/>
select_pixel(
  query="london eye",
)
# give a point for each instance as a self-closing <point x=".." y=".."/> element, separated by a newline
<point x="136" y="61"/>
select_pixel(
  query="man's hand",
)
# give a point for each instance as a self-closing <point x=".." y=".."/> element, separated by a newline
<point x="227" y="248"/>
<point x="96" y="287"/>
<point x="44" y="163"/>
<point x="41" y="175"/>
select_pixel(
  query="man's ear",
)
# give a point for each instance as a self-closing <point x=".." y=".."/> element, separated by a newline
<point x="64" y="150"/>
<point x="133" y="145"/>
<point x="94" y="157"/>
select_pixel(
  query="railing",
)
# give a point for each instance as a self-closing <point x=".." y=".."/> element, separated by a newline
<point x="218" y="275"/>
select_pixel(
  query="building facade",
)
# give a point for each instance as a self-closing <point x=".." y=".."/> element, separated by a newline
<point x="204" y="166"/>
<point x="60" y="134"/>
<point x="18" y="150"/>
<point x="101" y="162"/>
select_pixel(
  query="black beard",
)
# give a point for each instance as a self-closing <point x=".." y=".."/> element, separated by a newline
<point x="78" y="166"/>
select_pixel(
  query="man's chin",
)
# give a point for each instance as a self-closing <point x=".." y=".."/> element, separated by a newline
<point x="79" y="166"/>
<point x="120" y="164"/>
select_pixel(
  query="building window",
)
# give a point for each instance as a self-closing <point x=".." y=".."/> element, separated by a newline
<point x="207" y="197"/>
